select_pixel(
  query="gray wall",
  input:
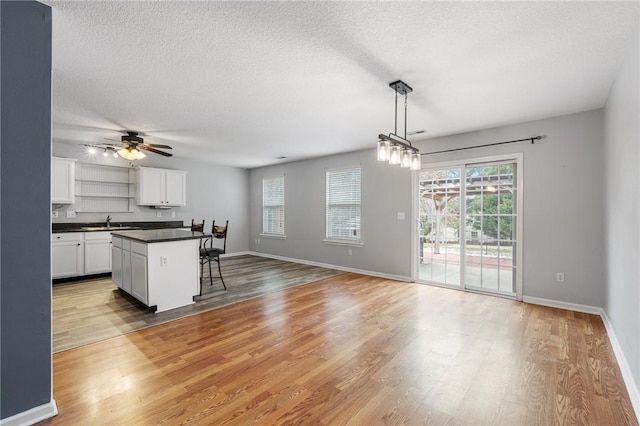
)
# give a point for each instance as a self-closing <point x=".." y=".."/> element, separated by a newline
<point x="385" y="191"/>
<point x="563" y="212"/>
<point x="622" y="208"/>
<point x="25" y="278"/>
<point x="563" y="221"/>
<point x="213" y="193"/>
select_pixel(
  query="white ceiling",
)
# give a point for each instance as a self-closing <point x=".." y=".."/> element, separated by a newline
<point x="242" y="83"/>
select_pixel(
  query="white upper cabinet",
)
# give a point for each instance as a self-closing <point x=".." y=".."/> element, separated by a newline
<point x="63" y="172"/>
<point x="176" y="187"/>
<point x="161" y="187"/>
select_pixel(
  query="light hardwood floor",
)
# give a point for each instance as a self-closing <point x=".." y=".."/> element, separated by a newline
<point x="351" y="349"/>
<point x="93" y="310"/>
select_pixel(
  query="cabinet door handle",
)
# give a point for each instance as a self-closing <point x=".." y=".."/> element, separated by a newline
<point x="58" y="237"/>
<point x="78" y="243"/>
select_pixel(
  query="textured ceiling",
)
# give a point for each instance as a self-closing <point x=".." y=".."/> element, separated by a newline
<point x="242" y="83"/>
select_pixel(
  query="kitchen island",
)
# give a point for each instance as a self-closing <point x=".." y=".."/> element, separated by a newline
<point x="159" y="267"/>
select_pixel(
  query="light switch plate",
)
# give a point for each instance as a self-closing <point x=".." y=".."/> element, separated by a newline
<point x="400" y="215"/>
<point x="71" y="214"/>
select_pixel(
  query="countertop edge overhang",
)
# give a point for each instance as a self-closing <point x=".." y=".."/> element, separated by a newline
<point x="160" y="235"/>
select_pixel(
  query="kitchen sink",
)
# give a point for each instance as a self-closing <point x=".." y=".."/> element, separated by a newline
<point x="108" y="228"/>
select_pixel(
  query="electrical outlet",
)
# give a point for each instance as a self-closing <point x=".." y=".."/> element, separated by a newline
<point x="158" y="214"/>
<point x="560" y="277"/>
<point x="71" y="214"/>
<point x="173" y="214"/>
<point x="164" y="261"/>
<point x="54" y="215"/>
<point x="400" y="215"/>
<point x="350" y="252"/>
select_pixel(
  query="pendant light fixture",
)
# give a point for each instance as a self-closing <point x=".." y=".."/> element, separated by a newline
<point x="396" y="149"/>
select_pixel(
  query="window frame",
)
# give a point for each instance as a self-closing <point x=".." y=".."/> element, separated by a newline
<point x="332" y="239"/>
<point x="274" y="207"/>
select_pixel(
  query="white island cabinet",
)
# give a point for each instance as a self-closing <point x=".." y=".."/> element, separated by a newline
<point x="158" y="267"/>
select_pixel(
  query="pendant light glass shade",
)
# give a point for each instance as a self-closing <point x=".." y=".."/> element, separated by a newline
<point x="383" y="150"/>
<point x="416" y="161"/>
<point x="405" y="158"/>
<point x="394" y="155"/>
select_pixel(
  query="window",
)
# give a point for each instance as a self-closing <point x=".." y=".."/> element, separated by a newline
<point x="343" y="205"/>
<point x="273" y="206"/>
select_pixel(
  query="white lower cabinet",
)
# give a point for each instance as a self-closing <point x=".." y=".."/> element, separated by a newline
<point x="126" y="266"/>
<point x="97" y="252"/>
<point x="67" y="254"/>
<point x="74" y="254"/>
<point x="116" y="263"/>
<point x="130" y="267"/>
<point x="139" y="277"/>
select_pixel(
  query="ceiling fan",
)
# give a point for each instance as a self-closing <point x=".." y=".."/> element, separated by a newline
<point x="130" y="147"/>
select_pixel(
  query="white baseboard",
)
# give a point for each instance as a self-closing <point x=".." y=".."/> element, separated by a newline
<point x="238" y="253"/>
<point x="632" y="387"/>
<point x="563" y="305"/>
<point x="339" y="268"/>
<point x="32" y="416"/>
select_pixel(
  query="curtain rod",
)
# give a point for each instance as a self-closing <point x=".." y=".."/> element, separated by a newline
<point x="532" y="139"/>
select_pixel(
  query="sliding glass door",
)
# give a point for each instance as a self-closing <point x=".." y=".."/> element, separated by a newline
<point x="467" y="232"/>
<point x="439" y="219"/>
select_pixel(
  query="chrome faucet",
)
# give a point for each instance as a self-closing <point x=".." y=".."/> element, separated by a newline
<point x="108" y="221"/>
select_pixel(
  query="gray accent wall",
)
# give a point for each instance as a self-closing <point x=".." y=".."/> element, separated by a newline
<point x="563" y="209"/>
<point x="622" y="208"/>
<point x="213" y="193"/>
<point x="25" y="151"/>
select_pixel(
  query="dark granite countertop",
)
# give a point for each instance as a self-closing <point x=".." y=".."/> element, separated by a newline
<point x="160" y="235"/>
<point x="115" y="226"/>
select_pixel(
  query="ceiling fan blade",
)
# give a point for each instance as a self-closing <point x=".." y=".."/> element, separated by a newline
<point x="155" y="145"/>
<point x="156" y="151"/>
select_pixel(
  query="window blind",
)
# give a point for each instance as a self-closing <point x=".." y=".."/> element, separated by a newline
<point x="343" y="204"/>
<point x="273" y="206"/>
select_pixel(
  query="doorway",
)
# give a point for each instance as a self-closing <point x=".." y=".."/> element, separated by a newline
<point x="469" y="228"/>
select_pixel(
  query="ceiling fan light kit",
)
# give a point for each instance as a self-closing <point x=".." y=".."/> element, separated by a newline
<point x="131" y="153"/>
<point x="396" y="149"/>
